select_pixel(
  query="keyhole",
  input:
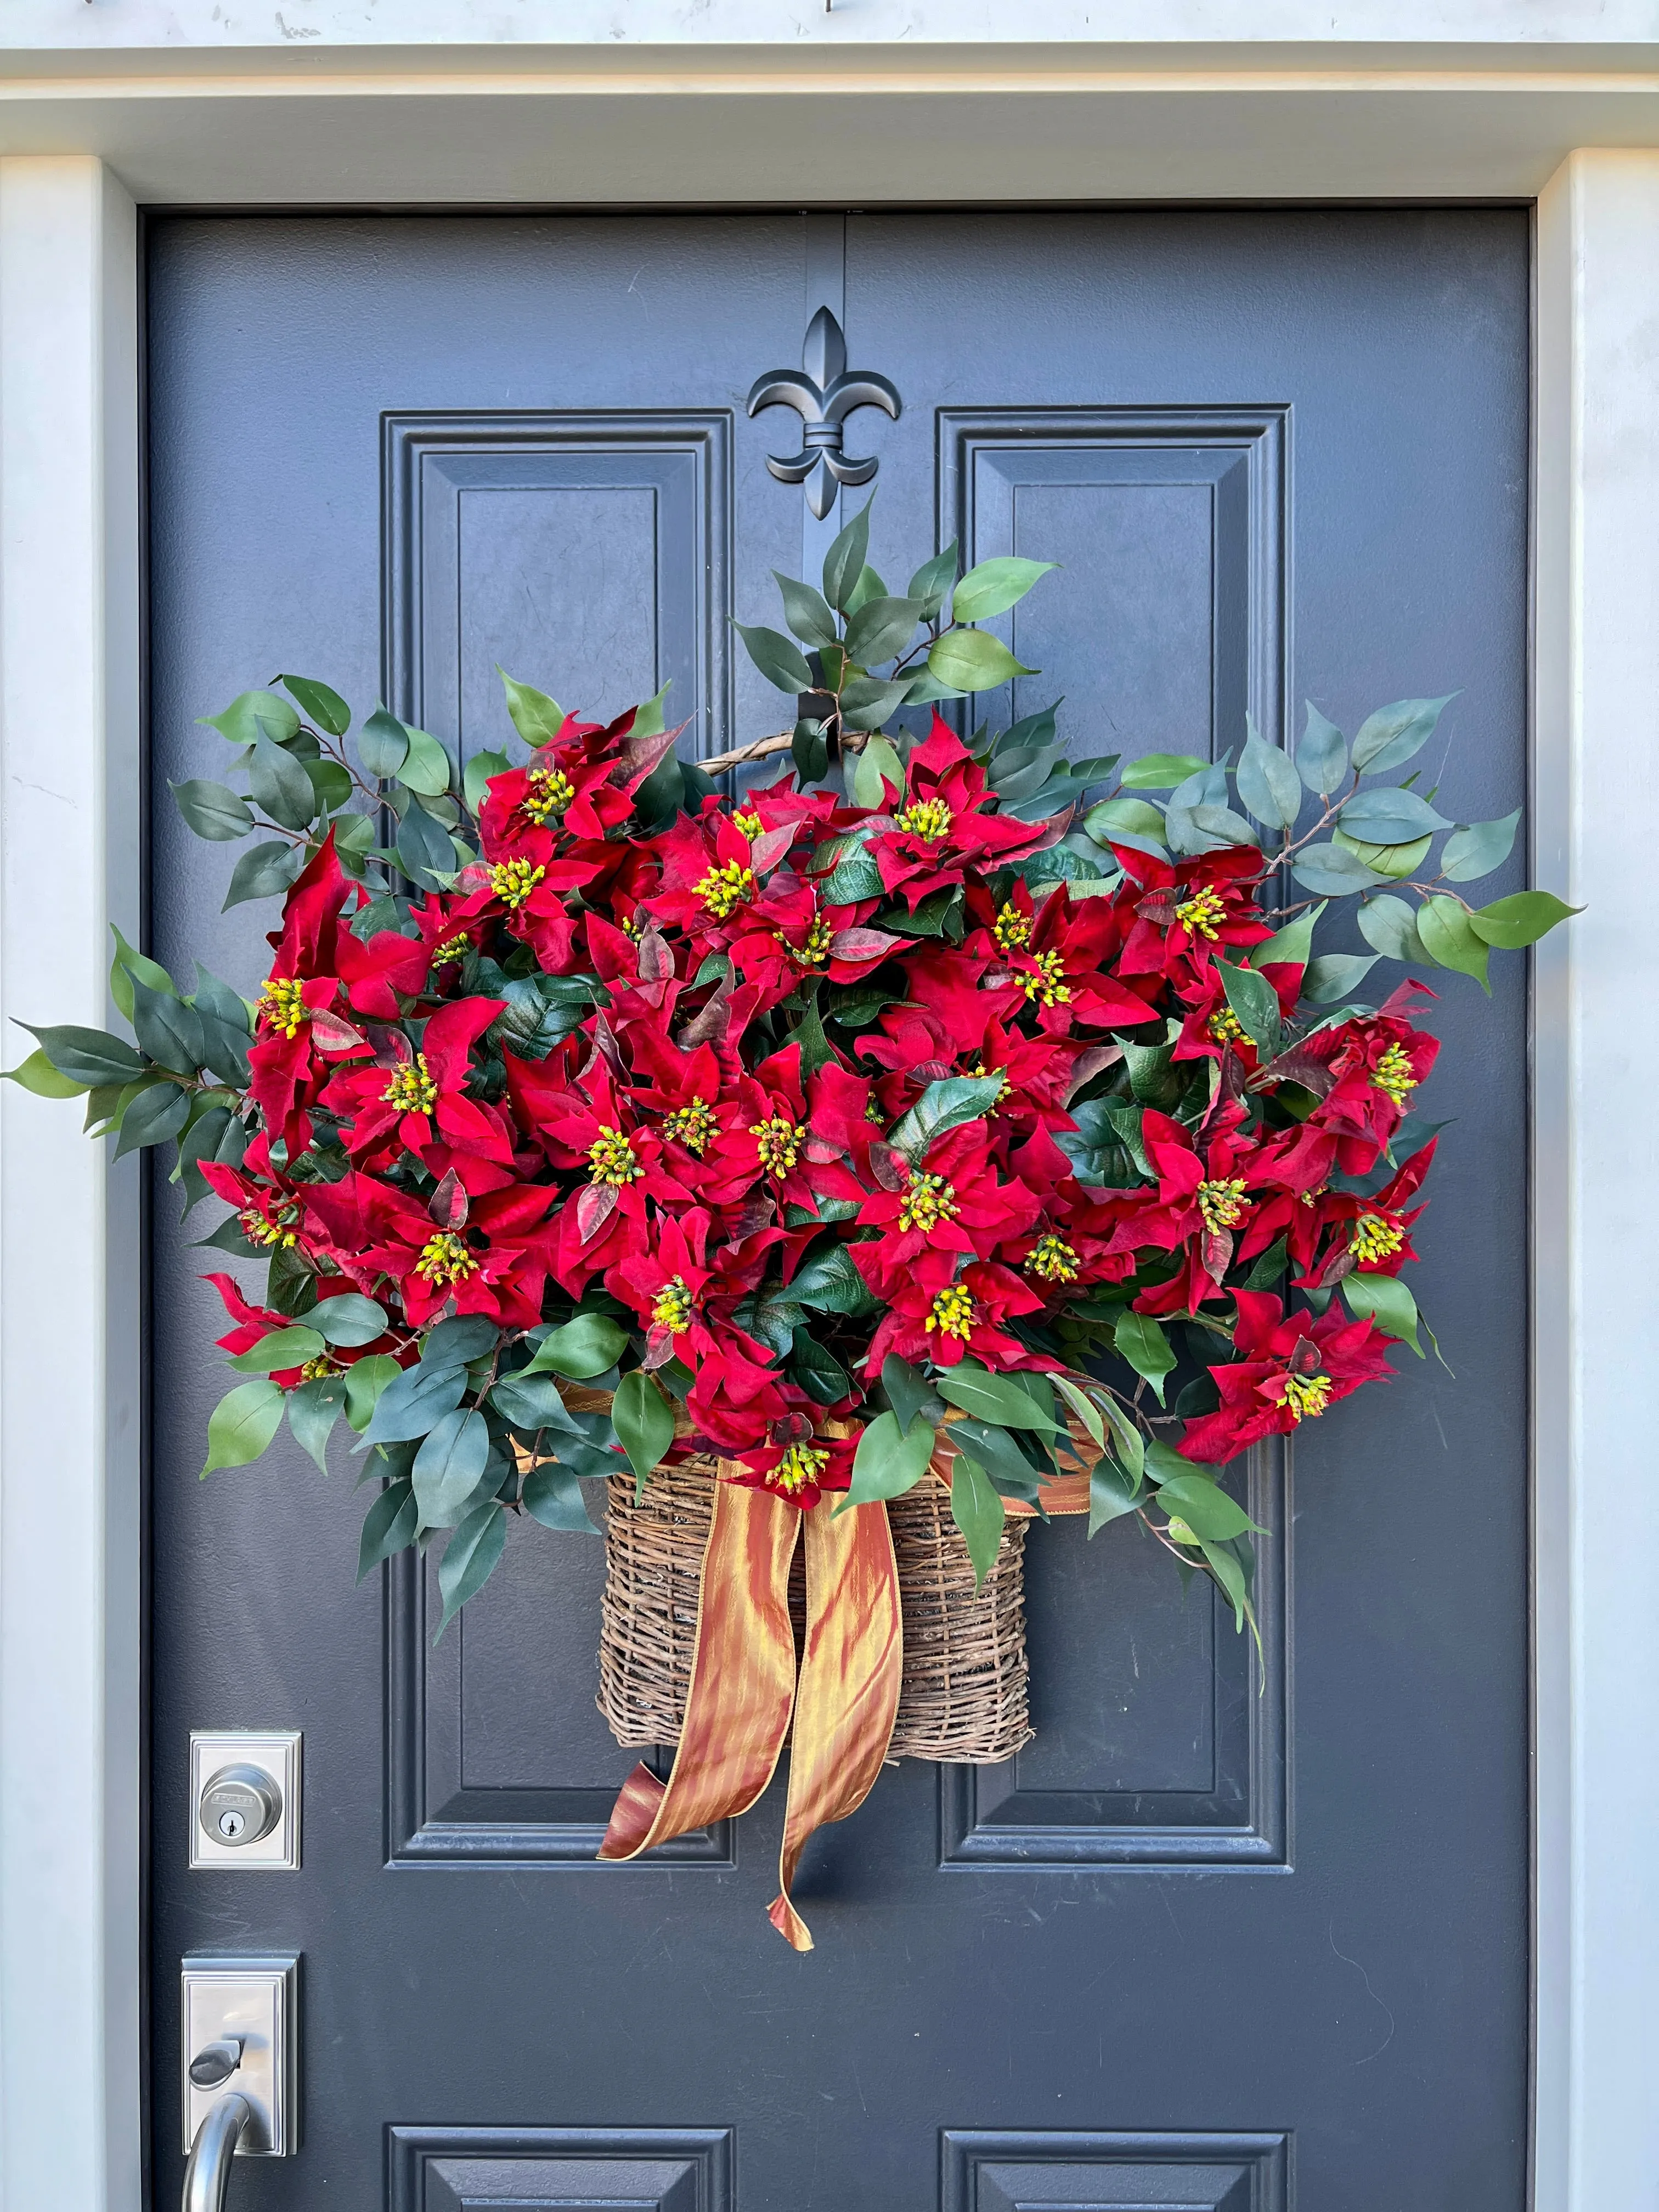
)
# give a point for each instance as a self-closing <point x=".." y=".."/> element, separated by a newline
<point x="231" y="1825"/>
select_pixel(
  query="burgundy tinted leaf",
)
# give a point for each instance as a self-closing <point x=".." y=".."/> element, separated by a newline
<point x="889" y="1170"/>
<point x="594" y="1206"/>
<point x="448" y="1204"/>
<point x="332" y="1034"/>
<point x="863" y="945"/>
<point x="656" y="961"/>
<point x="768" y="850"/>
<point x="711" y="1025"/>
<point x="1089" y="1064"/>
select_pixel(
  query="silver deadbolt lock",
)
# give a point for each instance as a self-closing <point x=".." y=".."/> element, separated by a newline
<point x="240" y="1804"/>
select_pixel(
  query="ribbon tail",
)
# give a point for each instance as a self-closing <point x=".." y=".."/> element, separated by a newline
<point x="847" y="1699"/>
<point x="743" y="1680"/>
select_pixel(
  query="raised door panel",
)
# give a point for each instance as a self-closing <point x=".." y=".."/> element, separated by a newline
<point x="1039" y="2171"/>
<point x="438" y="2169"/>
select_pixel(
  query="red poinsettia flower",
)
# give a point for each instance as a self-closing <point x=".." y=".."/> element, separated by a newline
<point x="415" y="1100"/>
<point x="1329" y="1233"/>
<point x="1362" y="1072"/>
<point x="586" y="1123"/>
<point x="1291" y="1368"/>
<point x="489" y="1255"/>
<point x="255" y="1323"/>
<point x="790" y="939"/>
<point x="953" y="1200"/>
<point x="801" y="1472"/>
<point x="1177" y="914"/>
<point x="934" y="1313"/>
<point x="1206" y="1183"/>
<point x="942" y="823"/>
<point x="1054" y="957"/>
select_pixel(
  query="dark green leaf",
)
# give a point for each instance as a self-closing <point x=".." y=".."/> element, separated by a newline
<point x="933" y="580"/>
<point x="413" y="1402"/>
<point x="1111" y="1492"/>
<point x="167" y="1028"/>
<point x="382" y="743"/>
<point x="996" y="1398"/>
<point x="866" y="702"/>
<point x="1254" y="1004"/>
<point x="809" y="751"/>
<point x="264" y="871"/>
<point x="1322" y="758"/>
<point x="843" y="564"/>
<point x="1386" y="1301"/>
<point x="313" y="1407"/>
<point x="1391" y="925"/>
<point x="888" y="1460"/>
<point x="909" y="1394"/>
<point x="1328" y="870"/>
<point x="881" y="629"/>
<point x="242" y="1423"/>
<point x="830" y="1283"/>
<point x="819" y="1373"/>
<point x="348" y="1321"/>
<point x="160" y="1111"/>
<point x="424" y="850"/>
<point x="1142" y="1343"/>
<point x="946" y="1104"/>
<point x="553" y="1495"/>
<point x="778" y="661"/>
<point x="469" y="1558"/>
<point x="1268" y="783"/>
<point x="212" y="810"/>
<point x="979" y="1512"/>
<point x="1334" y="977"/>
<point x="815" y="1050"/>
<point x="807" y="611"/>
<point x="322" y="704"/>
<point x="644" y="1422"/>
<point x="582" y="1348"/>
<point x="86" y="1056"/>
<point x="330" y="782"/>
<point x="389" y="1526"/>
<point x="462" y="1338"/>
<point x="448" y="1467"/>
<point x="1390" y="737"/>
<point x="280" y="784"/>
<point x="1388" y="816"/>
<point x="1507" y="923"/>
<point x="531" y="1402"/>
<point x="1204" y="1506"/>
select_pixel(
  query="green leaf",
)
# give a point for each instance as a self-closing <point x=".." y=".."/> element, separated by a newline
<point x="413" y="1402"/>
<point x="1390" y="737"/>
<point x="946" y="1104"/>
<point x="279" y="783"/>
<point x="828" y="1282"/>
<point x="643" y="1420"/>
<point x="552" y="1495"/>
<point x="284" y="1347"/>
<point x="888" y="1461"/>
<point x="471" y="1558"/>
<point x="241" y="720"/>
<point x="778" y="661"/>
<point x="878" y="759"/>
<point x="382" y="743"/>
<point x="1393" y="862"/>
<point x="1336" y="976"/>
<point x="809" y="751"/>
<point x="1268" y="783"/>
<point x="264" y="871"/>
<point x="37" y="1073"/>
<point x="1111" y="1493"/>
<point x="880" y="629"/>
<point x="1508" y="923"/>
<point x="324" y="705"/>
<point x="1322" y="758"/>
<point x="933" y="580"/>
<point x="815" y="1050"/>
<point x="424" y="851"/>
<point x="1204" y="1506"/>
<point x="972" y="660"/>
<point x="1234" y="1583"/>
<point x="330" y="782"/>
<point x="909" y="1393"/>
<point x="996" y="1398"/>
<point x="1450" y="939"/>
<point x="536" y="718"/>
<point x="312" y="1409"/>
<point x="531" y="1402"/>
<point x="212" y="810"/>
<point x="1135" y="821"/>
<point x="348" y="1321"/>
<point x="1328" y="872"/>
<point x="649" y="720"/>
<point x="1131" y="1444"/>
<point x="978" y="1510"/>
<point x="88" y="1057"/>
<point x="167" y="1028"/>
<point x="807" y="611"/>
<point x="242" y="1423"/>
<point x="866" y="702"/>
<point x="991" y="588"/>
<point x="389" y="1526"/>
<point x="1081" y="1405"/>
<point x="1390" y="924"/>
<point x="582" y="1348"/>
<point x="365" y="1382"/>
<point x="453" y="1343"/>
<point x="1161" y="771"/>
<point x="843" y="564"/>
<point x="1479" y="847"/>
<point x="426" y="765"/>
<point x="869" y="587"/>
<point x="448" y="1466"/>
<point x="1143" y="1344"/>
<point x="475" y="777"/>
<point x="1254" y="1004"/>
<point x="158" y="1112"/>
<point x="1291" y="946"/>
<point x="1390" y="816"/>
<point x="1384" y="1300"/>
<point x="819" y="1373"/>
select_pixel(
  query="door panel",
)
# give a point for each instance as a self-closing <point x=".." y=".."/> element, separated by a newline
<point x="1220" y="1923"/>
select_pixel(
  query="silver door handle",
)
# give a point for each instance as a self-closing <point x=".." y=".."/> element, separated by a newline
<point x="208" y="2169"/>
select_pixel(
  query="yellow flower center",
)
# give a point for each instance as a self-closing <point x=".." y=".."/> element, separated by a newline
<point x="779" y="1143"/>
<point x="672" y="1310"/>
<point x="1012" y="928"/>
<point x="722" y="889"/>
<point x="321" y="1365"/>
<point x="800" y="1465"/>
<point x="750" y="824"/>
<point x="512" y="881"/>
<point x="550" y="792"/>
<point x="634" y="925"/>
<point x="815" y="950"/>
<point x="452" y="948"/>
<point x="692" y="1125"/>
<point x="929" y="1199"/>
<point x="610" y="1158"/>
<point x="281" y="1006"/>
<point x="444" y="1259"/>
<point x="1003" y="1076"/>
<point x="1393" y="1074"/>
<point x="1375" y="1238"/>
<point x="1052" y="1258"/>
<point x="952" y="1314"/>
<point x="411" y="1088"/>
<point x="1225" y="1026"/>
<point x="269" y="1227"/>
<point x="930" y="819"/>
<point x="1306" y="1395"/>
<point x="1045" y="982"/>
<point x="872" y="1113"/>
<point x="1222" y="1205"/>
<point x="1202" y="911"/>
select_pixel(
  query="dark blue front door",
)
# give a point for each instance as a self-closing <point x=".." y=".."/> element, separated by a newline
<point x="1222" y="1936"/>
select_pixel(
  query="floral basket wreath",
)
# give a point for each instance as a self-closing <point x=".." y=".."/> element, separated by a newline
<point x="906" y="1118"/>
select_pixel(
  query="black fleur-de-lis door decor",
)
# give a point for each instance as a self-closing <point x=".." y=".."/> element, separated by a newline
<point x="823" y="392"/>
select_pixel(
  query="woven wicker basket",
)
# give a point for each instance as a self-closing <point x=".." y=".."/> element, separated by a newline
<point x="964" y="1695"/>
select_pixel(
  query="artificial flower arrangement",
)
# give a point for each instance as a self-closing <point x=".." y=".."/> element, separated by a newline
<point x="942" y="1109"/>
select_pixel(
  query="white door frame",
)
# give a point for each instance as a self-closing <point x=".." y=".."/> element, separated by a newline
<point x="70" y="1719"/>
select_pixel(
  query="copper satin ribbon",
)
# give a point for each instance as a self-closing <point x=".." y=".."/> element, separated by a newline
<point x="743" y="1687"/>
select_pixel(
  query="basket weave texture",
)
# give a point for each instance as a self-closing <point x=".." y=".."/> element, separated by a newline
<point x="964" y="1695"/>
